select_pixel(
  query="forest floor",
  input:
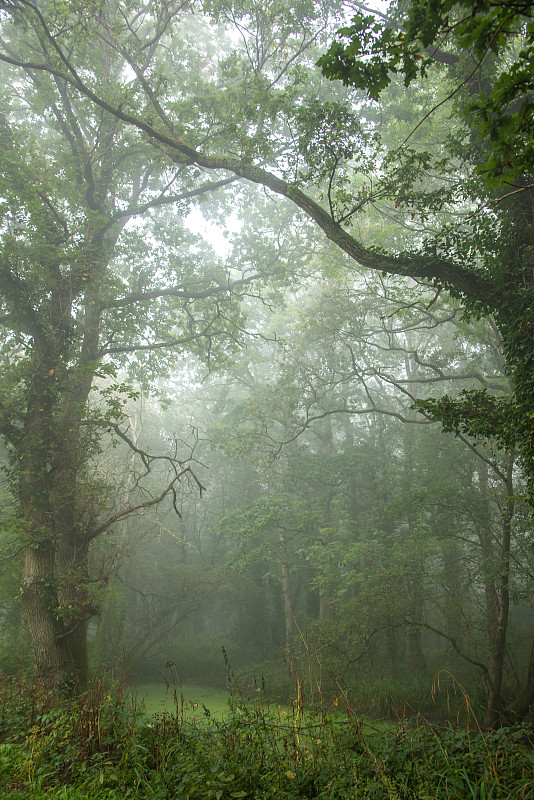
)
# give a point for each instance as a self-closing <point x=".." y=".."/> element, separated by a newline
<point x="104" y="745"/>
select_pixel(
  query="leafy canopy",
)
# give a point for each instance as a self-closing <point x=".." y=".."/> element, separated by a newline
<point x="496" y="35"/>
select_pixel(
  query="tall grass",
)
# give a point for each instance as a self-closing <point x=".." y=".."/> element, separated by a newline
<point x="100" y="746"/>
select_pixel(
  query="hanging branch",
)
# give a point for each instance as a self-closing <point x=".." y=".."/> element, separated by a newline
<point x="126" y="512"/>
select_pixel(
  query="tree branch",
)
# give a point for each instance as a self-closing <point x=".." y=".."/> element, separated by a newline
<point x="173" y="198"/>
<point x="160" y="345"/>
<point x="126" y="512"/>
<point x="187" y="294"/>
<point x="482" y="667"/>
<point x="444" y="272"/>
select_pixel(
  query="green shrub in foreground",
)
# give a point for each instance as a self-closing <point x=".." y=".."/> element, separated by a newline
<point x="98" y="747"/>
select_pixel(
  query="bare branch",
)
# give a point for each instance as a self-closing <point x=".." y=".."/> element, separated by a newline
<point x="482" y="667"/>
<point x="187" y="294"/>
<point x="161" y="345"/>
<point x="163" y="199"/>
<point x="127" y="512"/>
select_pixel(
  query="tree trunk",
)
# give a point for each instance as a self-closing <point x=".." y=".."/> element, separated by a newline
<point x="35" y="478"/>
<point x="53" y="662"/>
<point x="452" y="583"/>
<point x="325" y="606"/>
<point x="73" y="577"/>
<point x="55" y="562"/>
<point x="392" y="647"/>
<point x="496" y="563"/>
<point x="520" y="707"/>
<point x="415" y="583"/>
<point x="415" y="645"/>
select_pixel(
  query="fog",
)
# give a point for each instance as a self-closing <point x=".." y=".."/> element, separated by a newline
<point x="263" y="414"/>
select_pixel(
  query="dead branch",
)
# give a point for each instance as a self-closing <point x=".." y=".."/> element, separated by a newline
<point x="127" y="512"/>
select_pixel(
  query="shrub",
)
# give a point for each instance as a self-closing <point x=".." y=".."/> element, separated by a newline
<point x="99" y="746"/>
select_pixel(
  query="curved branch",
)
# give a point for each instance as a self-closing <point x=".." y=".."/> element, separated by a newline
<point x="173" y="198"/>
<point x="442" y="271"/>
<point x="478" y="664"/>
<point x="147" y="297"/>
<point x="352" y="411"/>
<point x="146" y="458"/>
<point x="160" y="345"/>
<point x="127" y="512"/>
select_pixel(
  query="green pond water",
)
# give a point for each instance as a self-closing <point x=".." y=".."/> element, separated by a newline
<point x="191" y="701"/>
<point x="203" y="702"/>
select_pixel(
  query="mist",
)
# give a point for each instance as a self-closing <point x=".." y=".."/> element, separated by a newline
<point x="266" y="354"/>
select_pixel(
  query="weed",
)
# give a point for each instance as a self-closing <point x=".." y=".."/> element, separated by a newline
<point x="100" y="746"/>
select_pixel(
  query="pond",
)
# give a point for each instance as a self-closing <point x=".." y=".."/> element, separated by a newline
<point x="192" y="702"/>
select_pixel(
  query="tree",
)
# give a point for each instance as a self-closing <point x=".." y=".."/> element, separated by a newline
<point x="80" y="297"/>
<point x="371" y="504"/>
<point x="490" y="67"/>
<point x="257" y="118"/>
<point x="484" y="262"/>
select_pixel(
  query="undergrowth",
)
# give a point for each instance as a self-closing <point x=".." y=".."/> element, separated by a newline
<point x="100" y="746"/>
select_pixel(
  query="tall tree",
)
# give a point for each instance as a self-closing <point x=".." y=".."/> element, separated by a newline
<point x="486" y="75"/>
<point x="81" y="294"/>
<point x="256" y="118"/>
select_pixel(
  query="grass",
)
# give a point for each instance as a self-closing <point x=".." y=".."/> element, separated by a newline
<point x="101" y="746"/>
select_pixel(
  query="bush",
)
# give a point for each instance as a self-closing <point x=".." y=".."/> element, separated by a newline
<point x="98" y="746"/>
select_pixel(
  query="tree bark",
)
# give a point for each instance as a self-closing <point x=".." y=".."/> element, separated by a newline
<point x="53" y="662"/>
<point x="415" y="581"/>
<point x="521" y="705"/>
<point x="496" y="564"/>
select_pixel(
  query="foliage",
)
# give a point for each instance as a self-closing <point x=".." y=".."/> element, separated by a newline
<point x="79" y="300"/>
<point x="413" y="39"/>
<point x="481" y="55"/>
<point x="341" y="529"/>
<point x="99" y="747"/>
<point x="476" y="413"/>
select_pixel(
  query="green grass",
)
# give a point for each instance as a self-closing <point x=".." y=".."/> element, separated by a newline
<point x="102" y="747"/>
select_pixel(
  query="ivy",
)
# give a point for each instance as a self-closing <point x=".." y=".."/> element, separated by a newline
<point x="474" y="413"/>
<point x="483" y="71"/>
